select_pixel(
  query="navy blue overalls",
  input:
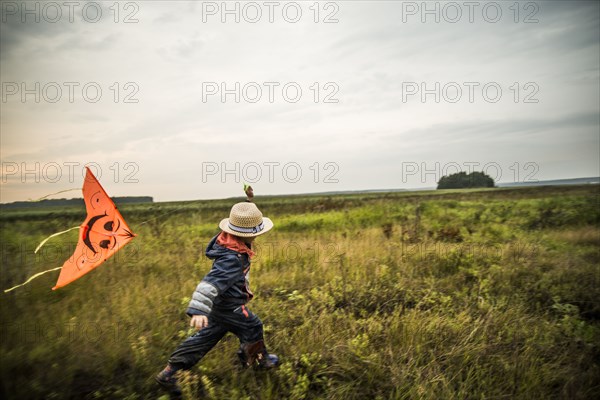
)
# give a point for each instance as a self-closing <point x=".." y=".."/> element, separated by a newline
<point x="221" y="296"/>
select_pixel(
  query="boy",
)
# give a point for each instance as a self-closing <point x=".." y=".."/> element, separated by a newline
<point x="218" y="304"/>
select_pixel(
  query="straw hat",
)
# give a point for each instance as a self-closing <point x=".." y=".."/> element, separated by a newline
<point x="246" y="220"/>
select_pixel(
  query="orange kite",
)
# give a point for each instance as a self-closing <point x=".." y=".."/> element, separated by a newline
<point x="102" y="234"/>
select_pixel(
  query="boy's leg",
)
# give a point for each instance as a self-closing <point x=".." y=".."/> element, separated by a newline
<point x="192" y="349"/>
<point x="188" y="353"/>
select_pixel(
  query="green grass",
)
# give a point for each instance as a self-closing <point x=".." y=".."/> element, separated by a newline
<point x="478" y="294"/>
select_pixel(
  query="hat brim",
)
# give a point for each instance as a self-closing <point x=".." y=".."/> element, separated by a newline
<point x="224" y="226"/>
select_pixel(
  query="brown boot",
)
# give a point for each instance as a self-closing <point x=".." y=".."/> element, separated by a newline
<point x="255" y="355"/>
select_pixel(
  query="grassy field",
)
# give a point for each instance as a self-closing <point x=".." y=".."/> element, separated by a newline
<point x="457" y="294"/>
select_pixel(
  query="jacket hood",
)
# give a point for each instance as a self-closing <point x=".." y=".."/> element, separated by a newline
<point x="214" y="249"/>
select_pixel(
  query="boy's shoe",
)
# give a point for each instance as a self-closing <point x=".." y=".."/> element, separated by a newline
<point x="169" y="384"/>
<point x="267" y="362"/>
<point x="255" y="354"/>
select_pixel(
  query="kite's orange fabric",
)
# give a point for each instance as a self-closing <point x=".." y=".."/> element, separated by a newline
<point x="102" y="234"/>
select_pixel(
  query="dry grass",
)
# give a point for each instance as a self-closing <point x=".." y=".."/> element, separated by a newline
<point x="468" y="294"/>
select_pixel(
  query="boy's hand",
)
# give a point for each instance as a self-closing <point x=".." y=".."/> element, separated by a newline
<point x="249" y="192"/>
<point x="199" y="321"/>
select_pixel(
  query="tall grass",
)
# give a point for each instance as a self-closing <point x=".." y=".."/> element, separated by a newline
<point x="451" y="294"/>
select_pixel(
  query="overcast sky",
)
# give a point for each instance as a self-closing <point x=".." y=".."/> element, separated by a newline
<point x="329" y="97"/>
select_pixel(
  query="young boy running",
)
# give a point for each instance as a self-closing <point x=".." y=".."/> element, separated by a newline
<point x="218" y="304"/>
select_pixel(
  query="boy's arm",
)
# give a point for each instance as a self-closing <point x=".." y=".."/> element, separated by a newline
<point x="222" y="275"/>
<point x="202" y="299"/>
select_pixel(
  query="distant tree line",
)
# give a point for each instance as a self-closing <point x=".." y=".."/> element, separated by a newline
<point x="74" y="202"/>
<point x="463" y="180"/>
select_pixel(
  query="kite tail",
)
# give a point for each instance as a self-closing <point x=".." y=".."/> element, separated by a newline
<point x="36" y="250"/>
<point x="32" y="278"/>
<point x="51" y="236"/>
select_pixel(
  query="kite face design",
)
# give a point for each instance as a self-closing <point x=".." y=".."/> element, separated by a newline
<point x="102" y="234"/>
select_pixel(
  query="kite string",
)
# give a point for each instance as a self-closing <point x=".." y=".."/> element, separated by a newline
<point x="162" y="215"/>
<point x="52" y="194"/>
<point x="70" y="229"/>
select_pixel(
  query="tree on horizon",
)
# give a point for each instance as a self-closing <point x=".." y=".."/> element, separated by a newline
<point x="462" y="180"/>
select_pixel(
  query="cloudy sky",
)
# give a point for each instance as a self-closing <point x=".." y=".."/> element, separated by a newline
<point x="184" y="100"/>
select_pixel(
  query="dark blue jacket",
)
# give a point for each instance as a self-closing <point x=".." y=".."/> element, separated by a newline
<point x="225" y="287"/>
